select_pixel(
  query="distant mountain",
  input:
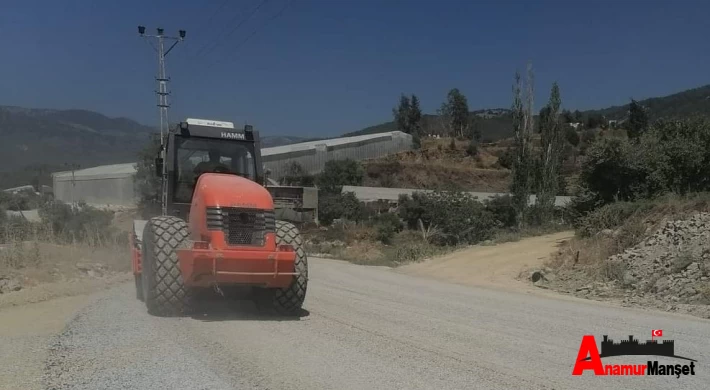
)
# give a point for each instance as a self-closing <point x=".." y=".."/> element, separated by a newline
<point x="494" y="124"/>
<point x="497" y="124"/>
<point x="691" y="102"/>
<point x="53" y="138"/>
<point x="56" y="137"/>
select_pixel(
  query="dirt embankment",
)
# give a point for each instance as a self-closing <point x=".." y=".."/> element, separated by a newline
<point x="439" y="166"/>
<point x="669" y="268"/>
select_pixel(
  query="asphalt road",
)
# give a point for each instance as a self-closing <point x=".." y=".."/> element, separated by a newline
<point x="363" y="328"/>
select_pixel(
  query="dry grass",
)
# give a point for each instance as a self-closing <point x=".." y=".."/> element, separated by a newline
<point x="37" y="257"/>
<point x="357" y="244"/>
<point x="437" y="166"/>
<point x="440" y="175"/>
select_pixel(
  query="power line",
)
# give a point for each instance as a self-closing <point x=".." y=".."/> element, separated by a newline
<point x="210" y="47"/>
<point x="245" y="40"/>
<point x="216" y="11"/>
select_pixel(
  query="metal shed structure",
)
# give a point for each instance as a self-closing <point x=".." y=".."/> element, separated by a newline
<point x="374" y="194"/>
<point x="103" y="185"/>
<point x="114" y="184"/>
<point x="313" y="155"/>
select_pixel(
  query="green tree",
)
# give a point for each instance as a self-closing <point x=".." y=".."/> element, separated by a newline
<point x="638" y="120"/>
<point x="522" y="128"/>
<point x="676" y="156"/>
<point x="415" y="116"/>
<point x="147" y="182"/>
<point x="338" y="173"/>
<point x="578" y="117"/>
<point x="454" y="114"/>
<point x="296" y="175"/>
<point x="506" y="159"/>
<point x="612" y="170"/>
<point x="460" y="217"/>
<point x="552" y="144"/>
<point x="401" y="114"/>
<point x="595" y="121"/>
<point x="571" y="136"/>
<point x="333" y="206"/>
<point x="543" y="118"/>
<point x="567" y="116"/>
<point x="408" y="114"/>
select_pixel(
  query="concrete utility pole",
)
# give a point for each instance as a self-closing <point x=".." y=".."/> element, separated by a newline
<point x="73" y="168"/>
<point x="162" y="78"/>
<point x="162" y="93"/>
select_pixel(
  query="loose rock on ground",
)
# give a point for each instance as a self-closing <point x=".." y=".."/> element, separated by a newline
<point x="670" y="270"/>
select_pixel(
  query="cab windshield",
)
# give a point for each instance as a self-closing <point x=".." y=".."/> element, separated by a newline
<point x="195" y="156"/>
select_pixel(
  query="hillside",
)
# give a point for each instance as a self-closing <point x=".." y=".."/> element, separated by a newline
<point x="691" y="102"/>
<point x="436" y="166"/>
<point x="53" y="138"/>
<point x="494" y="124"/>
<point x="56" y="137"/>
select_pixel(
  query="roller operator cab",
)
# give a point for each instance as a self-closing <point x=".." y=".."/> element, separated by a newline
<point x="218" y="227"/>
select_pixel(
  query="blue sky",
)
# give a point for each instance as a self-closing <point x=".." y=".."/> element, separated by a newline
<point x="328" y="67"/>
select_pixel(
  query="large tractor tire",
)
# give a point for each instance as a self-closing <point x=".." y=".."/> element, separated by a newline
<point x="164" y="292"/>
<point x="287" y="301"/>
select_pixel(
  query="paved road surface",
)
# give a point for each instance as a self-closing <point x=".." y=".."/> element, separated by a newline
<point x="365" y="328"/>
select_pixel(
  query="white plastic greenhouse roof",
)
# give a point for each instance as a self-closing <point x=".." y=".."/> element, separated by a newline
<point x="125" y="170"/>
<point x="102" y="172"/>
<point x="328" y="142"/>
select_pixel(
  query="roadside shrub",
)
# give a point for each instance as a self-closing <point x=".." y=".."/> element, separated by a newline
<point x="461" y="218"/>
<point x="412" y="209"/>
<point x="610" y="216"/>
<point x="472" y="148"/>
<point x="671" y="157"/>
<point x="676" y="156"/>
<point x="339" y="206"/>
<point x="587" y="139"/>
<point x="146" y="182"/>
<point x="571" y="135"/>
<point x="337" y="173"/>
<point x="412" y="253"/>
<point x="387" y="224"/>
<point x="502" y="209"/>
<point x="22" y="200"/>
<point x="613" y="171"/>
<point x="81" y="223"/>
<point x="506" y="159"/>
<point x="584" y="202"/>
